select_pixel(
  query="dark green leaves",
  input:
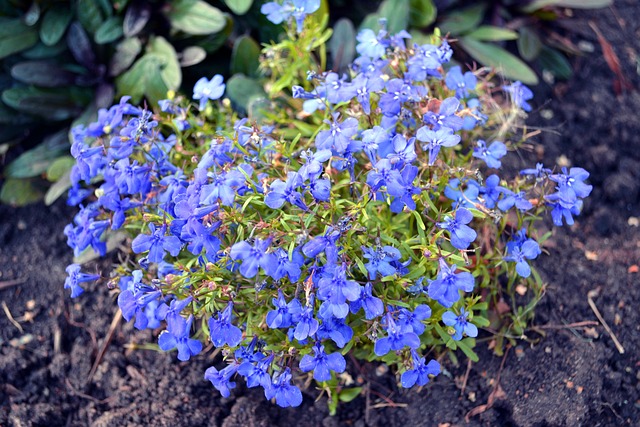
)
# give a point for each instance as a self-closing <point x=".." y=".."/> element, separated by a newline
<point x="397" y="14"/>
<point x="109" y="31"/>
<point x="197" y="17"/>
<point x="20" y="192"/>
<point x="37" y="160"/>
<point x="422" y="13"/>
<point x="529" y="44"/>
<point x="15" y="37"/>
<point x="245" y="57"/>
<point x="42" y="73"/>
<point x="137" y="16"/>
<point x="50" y="104"/>
<point x="509" y="65"/>
<point x="490" y="33"/>
<point x="242" y="90"/>
<point x="463" y="21"/>
<point x="342" y="44"/>
<point x="239" y="7"/>
<point x="54" y="24"/>
<point x="575" y="4"/>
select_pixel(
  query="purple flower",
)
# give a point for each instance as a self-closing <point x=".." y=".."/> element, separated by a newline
<point x="448" y="284"/>
<point x="420" y="373"/>
<point x="322" y="363"/>
<point x="285" y="394"/>
<point x="205" y="89"/>
<point x="177" y="335"/>
<point x="396" y="339"/>
<point x="460" y="324"/>
<point x="75" y="277"/>
<point x="222" y="331"/>
<point x="462" y="84"/>
<point x="461" y="234"/>
<point x="156" y="243"/>
<point x="490" y="155"/>
<point x="435" y="139"/>
<point x="253" y="257"/>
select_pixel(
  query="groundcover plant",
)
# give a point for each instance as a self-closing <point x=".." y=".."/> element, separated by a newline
<point x="361" y="214"/>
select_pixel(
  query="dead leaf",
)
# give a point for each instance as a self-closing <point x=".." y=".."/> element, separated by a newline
<point x="591" y="255"/>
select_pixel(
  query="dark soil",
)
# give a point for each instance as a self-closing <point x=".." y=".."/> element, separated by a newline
<point x="573" y="376"/>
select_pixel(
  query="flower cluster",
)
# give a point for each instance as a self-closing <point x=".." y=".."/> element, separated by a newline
<point x="288" y="252"/>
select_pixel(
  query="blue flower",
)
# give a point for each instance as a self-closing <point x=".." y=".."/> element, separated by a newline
<point x="461" y="234"/>
<point x="222" y="187"/>
<point x="280" y="192"/>
<point x="335" y="290"/>
<point x="491" y="191"/>
<point x="338" y="136"/>
<point x="305" y="323"/>
<point x="325" y="243"/>
<point x="404" y="151"/>
<point x="420" y="373"/>
<point x="460" y="324"/>
<point x="373" y="306"/>
<point x="492" y="154"/>
<point x="256" y="374"/>
<point x="402" y="188"/>
<point x="313" y="163"/>
<point x="134" y="300"/>
<point x="253" y="257"/>
<point x="539" y="172"/>
<point x="322" y="363"/>
<point x="75" y="277"/>
<point x="281" y="316"/>
<point x="177" y="335"/>
<point x="156" y="243"/>
<point x="171" y="313"/>
<point x="335" y="329"/>
<point x="298" y="9"/>
<point x="435" y="139"/>
<point x="448" y="284"/>
<point x="412" y="320"/>
<point x="370" y="45"/>
<point x="520" y="94"/>
<point x="463" y="199"/>
<point x="221" y="380"/>
<point x="564" y="205"/>
<point x="510" y="199"/>
<point x="372" y="140"/>
<point x="573" y="182"/>
<point x="285" y="394"/>
<point x="425" y="62"/>
<point x="396" y="339"/>
<point x="364" y="86"/>
<point x="205" y="89"/>
<point x="446" y="116"/>
<point x="222" y="331"/>
<point x="462" y="84"/>
<point x="521" y="250"/>
<point x="380" y="258"/>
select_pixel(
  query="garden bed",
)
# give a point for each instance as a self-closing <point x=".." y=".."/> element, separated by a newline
<point x="574" y="375"/>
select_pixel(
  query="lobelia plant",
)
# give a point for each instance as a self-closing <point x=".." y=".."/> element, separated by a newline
<point x="351" y="217"/>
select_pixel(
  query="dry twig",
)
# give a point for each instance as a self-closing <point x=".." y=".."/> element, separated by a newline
<point x="590" y="296"/>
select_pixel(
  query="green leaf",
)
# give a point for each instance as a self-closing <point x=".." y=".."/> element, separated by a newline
<point x="15" y="37"/>
<point x="60" y="167"/>
<point x="42" y="51"/>
<point x="463" y="21"/>
<point x="422" y="13"/>
<point x="245" y="57"/>
<point x="20" y="192"/>
<point x="575" y="4"/>
<point x="556" y="62"/>
<point x="109" y="31"/>
<point x="490" y="33"/>
<point x="51" y="104"/>
<point x="197" y="18"/>
<point x="54" y="24"/>
<point x="348" y="394"/>
<point x="42" y="73"/>
<point x="529" y="44"/>
<point x="126" y="53"/>
<point x="464" y="346"/>
<point x="170" y="70"/>
<point x="33" y="14"/>
<point x="239" y="7"/>
<point x="192" y="55"/>
<point x="481" y="321"/>
<point x="215" y="41"/>
<point x="509" y="65"/>
<point x="89" y="14"/>
<point x="241" y="90"/>
<point x="58" y="189"/>
<point x="37" y="160"/>
<point x="397" y="14"/>
<point x="370" y="21"/>
<point x="134" y="81"/>
<point x="342" y="44"/>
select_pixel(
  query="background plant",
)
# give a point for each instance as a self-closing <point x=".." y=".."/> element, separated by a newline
<point x="63" y="61"/>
